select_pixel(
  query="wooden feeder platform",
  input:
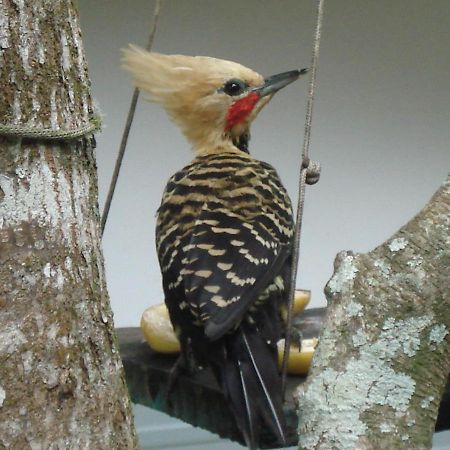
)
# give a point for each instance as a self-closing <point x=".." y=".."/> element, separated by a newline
<point x="198" y="400"/>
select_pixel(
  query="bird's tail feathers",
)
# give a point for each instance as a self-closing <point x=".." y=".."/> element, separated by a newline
<point x="252" y="383"/>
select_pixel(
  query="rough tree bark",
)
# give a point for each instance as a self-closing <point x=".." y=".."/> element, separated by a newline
<point x="384" y="353"/>
<point x="61" y="378"/>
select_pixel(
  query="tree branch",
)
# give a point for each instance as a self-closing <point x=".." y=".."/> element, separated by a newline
<point x="384" y="353"/>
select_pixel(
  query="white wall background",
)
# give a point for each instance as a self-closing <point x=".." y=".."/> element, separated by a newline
<point x="380" y="129"/>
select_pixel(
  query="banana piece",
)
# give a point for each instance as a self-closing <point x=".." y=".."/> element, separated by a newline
<point x="158" y="330"/>
<point x="299" y="361"/>
<point x="301" y="300"/>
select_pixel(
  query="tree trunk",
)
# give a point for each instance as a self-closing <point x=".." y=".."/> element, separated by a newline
<point x="384" y="353"/>
<point x="61" y="379"/>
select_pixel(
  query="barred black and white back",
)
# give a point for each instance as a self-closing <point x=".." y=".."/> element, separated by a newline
<point x="224" y="237"/>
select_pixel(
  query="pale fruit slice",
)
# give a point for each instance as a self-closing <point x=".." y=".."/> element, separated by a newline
<point x="301" y="300"/>
<point x="299" y="361"/>
<point x="158" y="330"/>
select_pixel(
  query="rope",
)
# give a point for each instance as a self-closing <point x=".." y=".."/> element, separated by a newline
<point x="126" y="131"/>
<point x="22" y="131"/>
<point x="309" y="174"/>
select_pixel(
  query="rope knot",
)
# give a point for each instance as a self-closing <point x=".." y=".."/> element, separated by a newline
<point x="312" y="171"/>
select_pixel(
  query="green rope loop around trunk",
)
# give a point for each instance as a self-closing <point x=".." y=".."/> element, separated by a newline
<point x="33" y="132"/>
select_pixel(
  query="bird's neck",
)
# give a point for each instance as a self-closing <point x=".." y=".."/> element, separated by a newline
<point x="226" y="143"/>
<point x="242" y="141"/>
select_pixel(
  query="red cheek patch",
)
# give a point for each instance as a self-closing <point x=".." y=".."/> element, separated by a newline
<point x="241" y="109"/>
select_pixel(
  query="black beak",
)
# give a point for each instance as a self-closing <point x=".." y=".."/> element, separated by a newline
<point x="279" y="81"/>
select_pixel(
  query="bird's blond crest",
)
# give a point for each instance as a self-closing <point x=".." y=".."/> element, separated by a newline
<point x="188" y="87"/>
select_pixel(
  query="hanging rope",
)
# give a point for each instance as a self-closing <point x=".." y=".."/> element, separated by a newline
<point x="29" y="132"/>
<point x="126" y="131"/>
<point x="309" y="174"/>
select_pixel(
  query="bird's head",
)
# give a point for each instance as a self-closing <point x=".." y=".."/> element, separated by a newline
<point x="213" y="101"/>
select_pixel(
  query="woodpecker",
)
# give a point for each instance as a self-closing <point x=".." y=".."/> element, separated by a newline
<point x="224" y="230"/>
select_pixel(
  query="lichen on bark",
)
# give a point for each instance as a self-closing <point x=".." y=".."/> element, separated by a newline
<point x="61" y="378"/>
<point x="384" y="354"/>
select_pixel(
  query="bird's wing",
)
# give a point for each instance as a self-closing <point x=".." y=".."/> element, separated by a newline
<point x="228" y="262"/>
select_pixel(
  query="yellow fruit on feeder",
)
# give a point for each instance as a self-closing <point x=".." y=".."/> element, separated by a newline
<point x="301" y="300"/>
<point x="299" y="360"/>
<point x="158" y="330"/>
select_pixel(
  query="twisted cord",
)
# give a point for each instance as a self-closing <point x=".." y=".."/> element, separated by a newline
<point x="126" y="131"/>
<point x="309" y="174"/>
<point x="28" y="132"/>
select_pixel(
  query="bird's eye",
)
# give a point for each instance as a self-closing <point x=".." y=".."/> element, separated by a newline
<point x="234" y="87"/>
